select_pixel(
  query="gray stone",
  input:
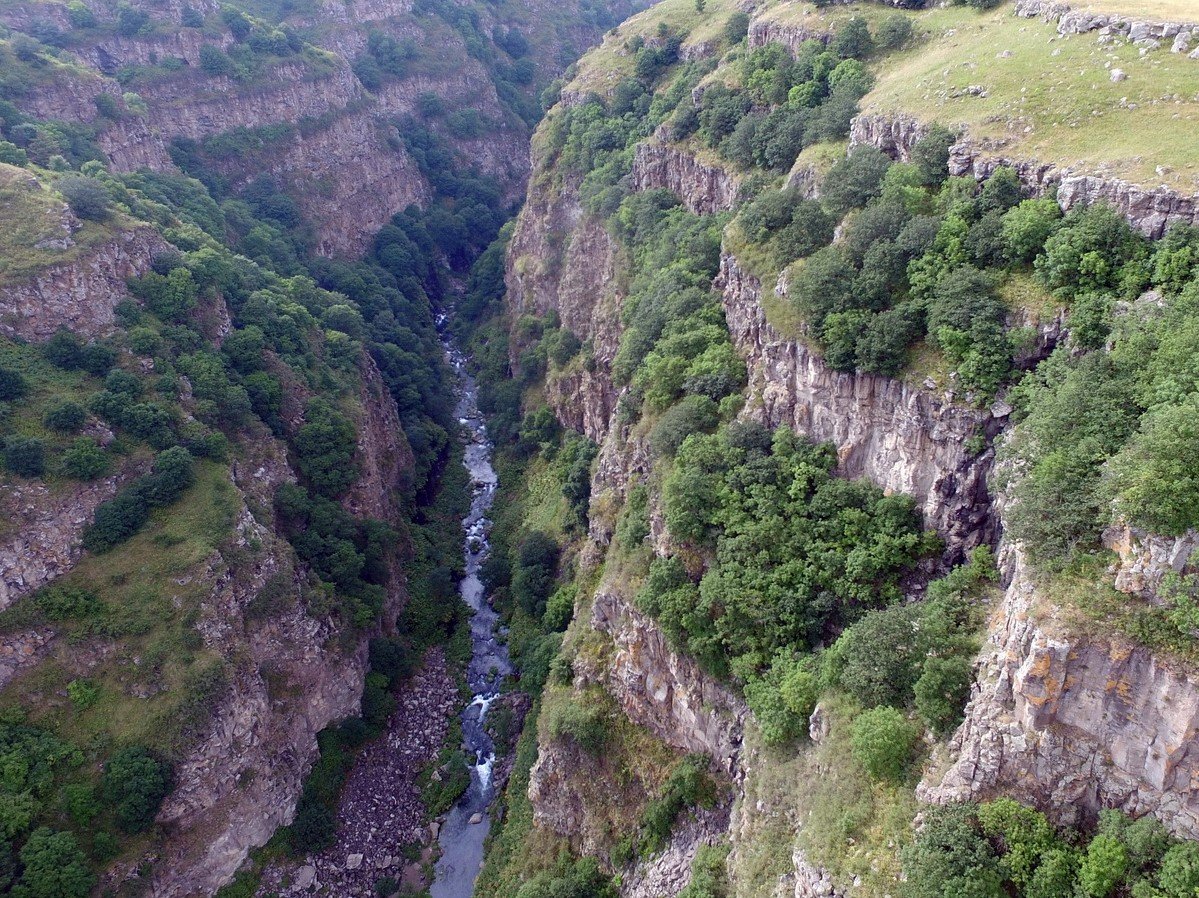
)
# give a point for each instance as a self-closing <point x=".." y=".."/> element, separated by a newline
<point x="305" y="876"/>
<point x="353" y="861"/>
<point x="476" y="818"/>
<point x="1118" y="75"/>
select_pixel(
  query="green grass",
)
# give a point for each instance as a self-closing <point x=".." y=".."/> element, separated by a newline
<point x="1052" y="99"/>
<point x="142" y="650"/>
<point x="1154" y="10"/>
<point x="820" y="156"/>
<point x="818" y="798"/>
<point x="33" y="213"/>
<point x="610" y="63"/>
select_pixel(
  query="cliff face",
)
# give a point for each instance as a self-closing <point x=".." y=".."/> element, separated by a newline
<point x="82" y="292"/>
<point x="662" y="690"/>
<point x="1152" y="211"/>
<point x="297" y="673"/>
<point x="44" y="526"/>
<point x="1072" y="721"/>
<point x="703" y="188"/>
<point x="905" y="438"/>
<point x="344" y="160"/>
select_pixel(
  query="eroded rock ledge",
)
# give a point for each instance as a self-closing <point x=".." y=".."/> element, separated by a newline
<point x="704" y="189"/>
<point x="1151" y="210"/>
<point x="905" y="438"/>
<point x="1073" y="722"/>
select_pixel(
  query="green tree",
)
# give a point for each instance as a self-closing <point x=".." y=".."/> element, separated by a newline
<point x="25" y="456"/>
<point x="65" y="417"/>
<point x="1103" y="866"/>
<point x="13" y="385"/>
<point x="941" y="692"/>
<point x="882" y="741"/>
<point x="87" y="197"/>
<point x="85" y="460"/>
<point x="326" y="446"/>
<point x="55" y="867"/>
<point x="135" y="782"/>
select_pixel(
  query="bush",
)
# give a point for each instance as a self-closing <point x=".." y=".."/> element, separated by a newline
<point x="893" y="32"/>
<point x="584" y="724"/>
<point x="87" y="197"/>
<point x="1028" y="226"/>
<point x="736" y="28"/>
<point x="951" y="857"/>
<point x="694" y="414"/>
<point x="882" y="741"/>
<point x="852" y="39"/>
<point x="13" y="385"/>
<point x="85" y="460"/>
<point x="325" y="447"/>
<point x="1103" y="866"/>
<point x="883" y="653"/>
<point x="65" y="417"/>
<point x="25" y="456"/>
<point x="135" y="782"/>
<point x="55" y="866"/>
<point x="942" y="691"/>
<point x="854" y="180"/>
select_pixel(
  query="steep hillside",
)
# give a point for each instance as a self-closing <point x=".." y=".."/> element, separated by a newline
<point x="955" y="249"/>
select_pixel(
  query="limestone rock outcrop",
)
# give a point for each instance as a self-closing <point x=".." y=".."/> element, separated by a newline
<point x="703" y="188"/>
<point x="1072" y="721"/>
<point x="906" y="438"/>
<point x="1151" y="210"/>
<point x="80" y="293"/>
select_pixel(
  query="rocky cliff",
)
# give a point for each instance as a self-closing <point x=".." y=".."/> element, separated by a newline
<point x="1073" y="719"/>
<point x="703" y="188"/>
<point x="1152" y="210"/>
<point x="342" y="158"/>
<point x="906" y="438"/>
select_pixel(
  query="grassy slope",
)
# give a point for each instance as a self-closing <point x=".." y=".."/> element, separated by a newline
<point x="1052" y="99"/>
<point x="32" y="214"/>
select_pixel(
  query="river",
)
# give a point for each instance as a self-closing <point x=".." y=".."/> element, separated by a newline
<point x="460" y="840"/>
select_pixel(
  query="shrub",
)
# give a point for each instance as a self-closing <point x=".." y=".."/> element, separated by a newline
<point x="930" y="156"/>
<point x="942" y="691"/>
<point x="854" y="180"/>
<point x="687" y="787"/>
<point x="85" y="460"/>
<point x="134" y="783"/>
<point x="736" y="28"/>
<point x="883" y="655"/>
<point x="325" y="447"/>
<point x="25" y="456"/>
<point x="584" y="724"/>
<point x="65" y="417"/>
<point x="951" y="857"/>
<point x="87" y="197"/>
<point x="55" y="866"/>
<point x="61" y="602"/>
<point x="1103" y="866"/>
<point x="694" y="414"/>
<point x="1028" y="226"/>
<point x="1178" y="875"/>
<point x="13" y="385"/>
<point x="1089" y="252"/>
<point x="852" y="39"/>
<point x="536" y="568"/>
<point x="882" y="741"/>
<point x="893" y="32"/>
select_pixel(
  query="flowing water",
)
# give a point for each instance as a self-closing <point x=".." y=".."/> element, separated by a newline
<point x="461" y="841"/>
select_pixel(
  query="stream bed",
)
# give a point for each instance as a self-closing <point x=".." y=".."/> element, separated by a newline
<point x="462" y="835"/>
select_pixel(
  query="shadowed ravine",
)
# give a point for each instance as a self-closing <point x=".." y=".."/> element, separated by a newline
<point x="460" y="840"/>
